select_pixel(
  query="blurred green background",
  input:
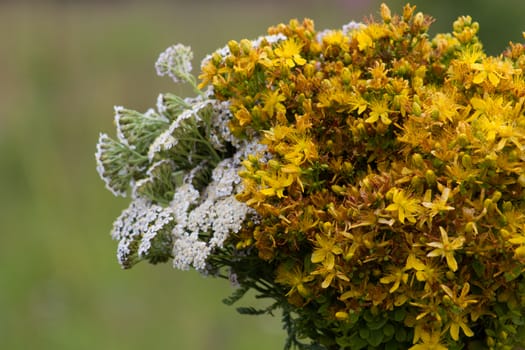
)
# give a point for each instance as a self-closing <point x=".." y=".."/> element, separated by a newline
<point x="63" y="65"/>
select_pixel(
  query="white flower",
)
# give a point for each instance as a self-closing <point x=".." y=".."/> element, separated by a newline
<point x="229" y="217"/>
<point x="175" y="62"/>
<point x="270" y="39"/>
<point x="352" y="26"/>
<point x="144" y="232"/>
<point x="184" y="197"/>
<point x="189" y="251"/>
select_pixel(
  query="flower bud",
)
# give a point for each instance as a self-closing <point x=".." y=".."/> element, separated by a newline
<point x="234" y="47"/>
<point x="466" y="161"/>
<point x="417" y="159"/>
<point x="246" y="46"/>
<point x="431" y="177"/>
<point x="386" y="15"/>
<point x="341" y="315"/>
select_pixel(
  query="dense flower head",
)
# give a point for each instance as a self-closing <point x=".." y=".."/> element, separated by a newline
<point x="372" y="180"/>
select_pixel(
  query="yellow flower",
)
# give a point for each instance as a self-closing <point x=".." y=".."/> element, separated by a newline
<point x="379" y="110"/>
<point x="329" y="274"/>
<point x="446" y="249"/>
<point x="243" y="116"/>
<point x="396" y="276"/>
<point x="490" y="69"/>
<point x="303" y="149"/>
<point x="430" y="341"/>
<point x="414" y="263"/>
<point x="406" y="208"/>
<point x="326" y="251"/>
<point x="272" y="102"/>
<point x="457" y="322"/>
<point x="439" y="205"/>
<point x="289" y="52"/>
<point x="463" y="300"/>
<point x="277" y="182"/>
<point x="364" y="40"/>
<point x="335" y="38"/>
<point x="295" y="278"/>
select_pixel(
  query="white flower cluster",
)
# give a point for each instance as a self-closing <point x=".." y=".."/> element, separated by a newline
<point x="144" y="232"/>
<point x="175" y="62"/>
<point x="181" y="165"/>
<point x="204" y="222"/>
<point x="352" y="26"/>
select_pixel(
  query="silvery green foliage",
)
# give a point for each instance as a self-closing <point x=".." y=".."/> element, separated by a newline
<point x="180" y="164"/>
<point x="117" y="164"/>
<point x="122" y="161"/>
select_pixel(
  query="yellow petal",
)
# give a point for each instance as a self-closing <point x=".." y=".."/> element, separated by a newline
<point x="451" y="261"/>
<point x="479" y="78"/>
<point x="454" y="331"/>
<point x="318" y="256"/>
<point x="414" y="263"/>
<point x="494" y="79"/>
<point x="468" y="332"/>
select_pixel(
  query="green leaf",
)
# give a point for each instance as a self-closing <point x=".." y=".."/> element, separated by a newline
<point x="251" y="311"/>
<point x="354" y="342"/>
<point x="364" y="333"/>
<point x="399" y="315"/>
<point x="236" y="296"/>
<point x="376" y="337"/>
<point x="401" y="334"/>
<point x="392" y="345"/>
<point x="389" y="330"/>
<point x="378" y="323"/>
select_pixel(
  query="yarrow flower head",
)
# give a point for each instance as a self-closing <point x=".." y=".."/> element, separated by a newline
<point x="369" y="180"/>
<point x="175" y="62"/>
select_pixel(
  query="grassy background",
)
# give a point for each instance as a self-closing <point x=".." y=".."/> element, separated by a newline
<point x="63" y="66"/>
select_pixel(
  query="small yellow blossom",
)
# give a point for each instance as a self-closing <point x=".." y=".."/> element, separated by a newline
<point x="458" y="322"/>
<point x="289" y="52"/>
<point x="326" y="251"/>
<point x="463" y="300"/>
<point x="414" y="263"/>
<point x="396" y="276"/>
<point x="243" y="116"/>
<point x="274" y="183"/>
<point x="406" y="207"/>
<point x="379" y="110"/>
<point x="446" y="249"/>
<point x="438" y="205"/>
<point x="294" y="278"/>
<point x="364" y="40"/>
<point x="491" y="69"/>
<point x="430" y="341"/>
<point x="301" y="150"/>
<point x="272" y="102"/>
<point x="329" y="275"/>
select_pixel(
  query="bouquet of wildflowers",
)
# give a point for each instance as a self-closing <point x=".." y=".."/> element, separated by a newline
<point x="368" y="180"/>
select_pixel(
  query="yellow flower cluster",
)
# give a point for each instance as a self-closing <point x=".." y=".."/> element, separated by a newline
<point x="396" y="173"/>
